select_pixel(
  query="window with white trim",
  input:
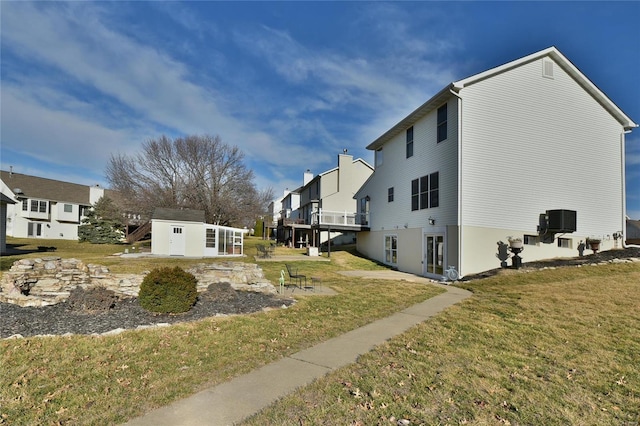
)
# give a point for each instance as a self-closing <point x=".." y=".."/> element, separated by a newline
<point x="68" y="208"/>
<point x="34" y="229"/>
<point x="38" y="206"/>
<point x="378" y="157"/>
<point x="564" y="242"/>
<point x="210" y="238"/>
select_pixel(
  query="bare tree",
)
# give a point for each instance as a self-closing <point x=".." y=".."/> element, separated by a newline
<point x="195" y="172"/>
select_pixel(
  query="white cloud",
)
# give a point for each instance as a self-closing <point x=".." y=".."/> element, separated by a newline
<point x="111" y="90"/>
<point x="55" y="136"/>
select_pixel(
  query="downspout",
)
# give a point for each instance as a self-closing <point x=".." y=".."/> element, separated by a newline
<point x="624" y="192"/>
<point x="460" y="271"/>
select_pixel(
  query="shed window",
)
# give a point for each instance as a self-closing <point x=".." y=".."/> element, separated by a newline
<point x="211" y="238"/>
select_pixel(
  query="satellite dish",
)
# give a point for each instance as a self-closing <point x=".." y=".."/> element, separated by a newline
<point x="17" y="191"/>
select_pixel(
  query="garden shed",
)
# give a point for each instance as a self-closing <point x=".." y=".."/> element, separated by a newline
<point x="183" y="232"/>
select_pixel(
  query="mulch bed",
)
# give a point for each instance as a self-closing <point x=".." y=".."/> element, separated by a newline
<point x="600" y="257"/>
<point x="63" y="318"/>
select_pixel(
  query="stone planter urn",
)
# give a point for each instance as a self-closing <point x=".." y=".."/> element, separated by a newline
<point x="594" y="245"/>
<point x="516" y="246"/>
<point x="515" y="243"/>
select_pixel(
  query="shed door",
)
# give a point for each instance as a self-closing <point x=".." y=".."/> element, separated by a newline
<point x="177" y="241"/>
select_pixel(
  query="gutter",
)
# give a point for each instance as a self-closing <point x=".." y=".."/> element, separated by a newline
<point x="624" y="189"/>
<point x="460" y="243"/>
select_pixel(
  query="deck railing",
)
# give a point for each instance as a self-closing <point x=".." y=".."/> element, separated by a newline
<point x="343" y="218"/>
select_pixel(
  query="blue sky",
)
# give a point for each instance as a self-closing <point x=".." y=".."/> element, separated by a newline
<point x="291" y="83"/>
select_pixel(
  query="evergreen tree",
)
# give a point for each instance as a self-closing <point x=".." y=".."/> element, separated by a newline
<point x="103" y="224"/>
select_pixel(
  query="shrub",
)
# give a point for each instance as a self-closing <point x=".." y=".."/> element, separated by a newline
<point x="95" y="299"/>
<point x="168" y="290"/>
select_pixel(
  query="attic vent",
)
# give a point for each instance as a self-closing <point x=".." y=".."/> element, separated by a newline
<point x="547" y="68"/>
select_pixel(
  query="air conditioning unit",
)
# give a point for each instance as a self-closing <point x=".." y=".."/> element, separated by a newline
<point x="561" y="221"/>
<point x="554" y="222"/>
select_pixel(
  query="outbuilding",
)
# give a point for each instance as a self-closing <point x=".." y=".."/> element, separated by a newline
<point x="178" y="232"/>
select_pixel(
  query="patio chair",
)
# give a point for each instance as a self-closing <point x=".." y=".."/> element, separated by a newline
<point x="294" y="275"/>
<point x="262" y="251"/>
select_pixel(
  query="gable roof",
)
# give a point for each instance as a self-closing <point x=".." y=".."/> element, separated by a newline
<point x="454" y="87"/>
<point x="569" y="68"/>
<point x="182" y="215"/>
<point x="46" y="189"/>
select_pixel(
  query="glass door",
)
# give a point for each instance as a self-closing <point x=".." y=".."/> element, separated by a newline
<point x="434" y="255"/>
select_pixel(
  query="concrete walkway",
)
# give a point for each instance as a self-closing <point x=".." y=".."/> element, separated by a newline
<point x="233" y="401"/>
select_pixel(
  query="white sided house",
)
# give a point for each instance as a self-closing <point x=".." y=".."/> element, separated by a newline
<point x="46" y="208"/>
<point x="530" y="149"/>
<point x="327" y="205"/>
<point x="176" y="232"/>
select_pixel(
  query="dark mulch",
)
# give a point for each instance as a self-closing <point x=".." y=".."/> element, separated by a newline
<point x="600" y="257"/>
<point x="126" y="314"/>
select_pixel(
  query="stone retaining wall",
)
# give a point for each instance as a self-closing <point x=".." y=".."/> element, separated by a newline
<point x="49" y="280"/>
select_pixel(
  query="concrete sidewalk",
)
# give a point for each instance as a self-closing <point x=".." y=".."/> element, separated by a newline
<point x="233" y="401"/>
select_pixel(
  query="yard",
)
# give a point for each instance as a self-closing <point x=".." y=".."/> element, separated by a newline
<point x="558" y="346"/>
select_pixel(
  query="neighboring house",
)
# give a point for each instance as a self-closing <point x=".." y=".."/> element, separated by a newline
<point x="46" y="208"/>
<point x="176" y="232"/>
<point x="4" y="202"/>
<point x="291" y="221"/>
<point x="633" y="232"/>
<point x="530" y="149"/>
<point x="327" y="203"/>
<point x="274" y="216"/>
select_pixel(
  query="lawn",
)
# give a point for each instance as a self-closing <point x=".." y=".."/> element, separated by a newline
<point x="110" y="379"/>
<point x="554" y="347"/>
<point x="550" y="347"/>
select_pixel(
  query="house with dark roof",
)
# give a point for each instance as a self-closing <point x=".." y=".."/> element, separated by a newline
<point x="183" y="232"/>
<point x="46" y="208"/>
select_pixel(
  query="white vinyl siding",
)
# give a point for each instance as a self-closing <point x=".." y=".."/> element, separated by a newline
<point x="542" y="144"/>
<point x="398" y="172"/>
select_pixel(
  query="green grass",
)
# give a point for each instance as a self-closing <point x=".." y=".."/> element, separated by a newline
<point x="110" y="379"/>
<point x="552" y="347"/>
